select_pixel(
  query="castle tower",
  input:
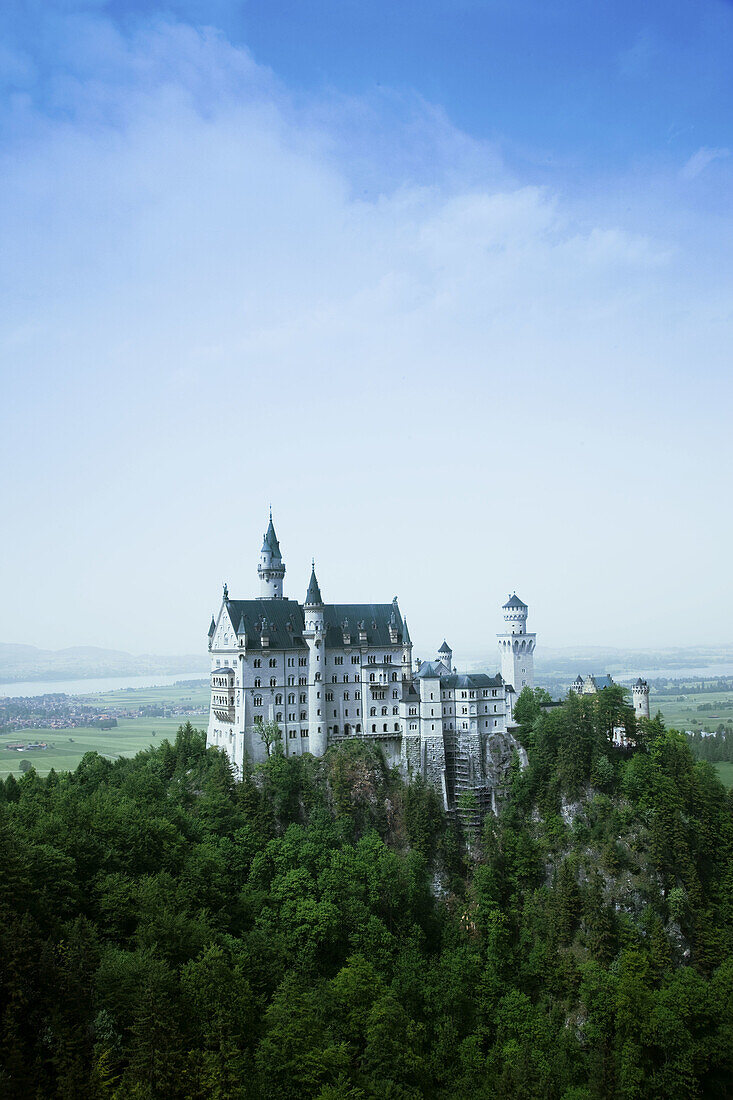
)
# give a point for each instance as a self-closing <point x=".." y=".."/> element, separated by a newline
<point x="406" y="652"/>
<point x="271" y="568"/>
<point x="640" y="695"/>
<point x="445" y="654"/>
<point x="516" y="646"/>
<point x="314" y="635"/>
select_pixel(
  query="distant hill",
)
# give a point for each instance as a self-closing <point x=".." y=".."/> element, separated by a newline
<point x="28" y="662"/>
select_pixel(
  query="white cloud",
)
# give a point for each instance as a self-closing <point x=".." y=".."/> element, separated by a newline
<point x="204" y="279"/>
<point x="701" y="160"/>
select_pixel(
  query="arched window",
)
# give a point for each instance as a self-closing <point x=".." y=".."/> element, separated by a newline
<point x="397" y="725"/>
<point x="395" y="710"/>
<point x="394" y="676"/>
<point x="384" y="711"/>
<point x="291" y="698"/>
<point x="371" y="677"/>
<point x="273" y="681"/>
<point x="278" y="717"/>
<point x="385" y="727"/>
<point x="358" y="727"/>
<point x="258" y="700"/>
<point x="278" y="700"/>
<point x="258" y="683"/>
<point x="374" y="729"/>
<point x="372" y="712"/>
<point x="347" y="730"/>
<point x="335" y="729"/>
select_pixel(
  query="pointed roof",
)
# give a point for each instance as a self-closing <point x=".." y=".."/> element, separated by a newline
<point x="212" y="628"/>
<point x="313" y="596"/>
<point x="241" y="629"/>
<point x="406" y="640"/>
<point x="270" y="542"/>
<point x="514" y="601"/>
<point x="445" y="648"/>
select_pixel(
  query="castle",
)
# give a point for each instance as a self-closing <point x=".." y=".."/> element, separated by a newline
<point x="325" y="673"/>
<point x="590" y="685"/>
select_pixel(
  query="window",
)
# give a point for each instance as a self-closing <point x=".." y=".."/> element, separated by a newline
<point x="334" y="679"/>
<point x="397" y="725"/>
<point x="303" y="716"/>
<point x="357" y="695"/>
<point x="278" y="717"/>
<point x="373" y="711"/>
<point x="346" y="679"/>
<point x="318" y="676"/>
<point x="273" y="682"/>
<point x="371" y="677"/>
<point x="257" y="663"/>
<point x="302" y="696"/>
<point x="358" y="727"/>
<point x="384" y="728"/>
<point x="304" y="733"/>
<point x="278" y="700"/>
<point x="292" y="733"/>
<point x="374" y="729"/>
<point x="394" y="676"/>
<point x="395" y="710"/>
<point x="357" y="678"/>
<point x="384" y="711"/>
<point x="291" y="662"/>
<point x="329" y="696"/>
<point x="355" y="659"/>
<point x="371" y="659"/>
<point x="335" y="713"/>
<point x="413" y="710"/>
<point x="394" y="695"/>
<point x="291" y="698"/>
<point x="388" y="659"/>
<point x="291" y="717"/>
<point x="338" y="660"/>
<point x="291" y="681"/>
<point x="273" y="662"/>
<point x="258" y="683"/>
<point x="302" y="680"/>
<point x="303" y="661"/>
<point x="258" y="700"/>
<point x="346" y="695"/>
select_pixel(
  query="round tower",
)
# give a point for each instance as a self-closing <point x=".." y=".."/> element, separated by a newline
<point x="445" y="654"/>
<point x="271" y="568"/>
<point x="640" y="695"/>
<point x="516" y="646"/>
<point x="314" y="635"/>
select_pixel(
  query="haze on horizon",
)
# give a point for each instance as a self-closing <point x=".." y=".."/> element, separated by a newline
<point x="449" y="283"/>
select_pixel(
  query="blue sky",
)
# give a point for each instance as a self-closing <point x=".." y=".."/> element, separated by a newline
<point x="450" y="283"/>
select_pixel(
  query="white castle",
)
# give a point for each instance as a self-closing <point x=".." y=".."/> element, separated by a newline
<point x="325" y="673"/>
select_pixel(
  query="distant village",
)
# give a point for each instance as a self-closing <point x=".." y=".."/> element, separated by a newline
<point x="62" y="712"/>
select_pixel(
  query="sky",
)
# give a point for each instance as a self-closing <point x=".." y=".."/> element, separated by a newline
<point x="449" y="283"/>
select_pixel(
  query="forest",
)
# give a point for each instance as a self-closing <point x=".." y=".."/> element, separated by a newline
<point x="322" y="929"/>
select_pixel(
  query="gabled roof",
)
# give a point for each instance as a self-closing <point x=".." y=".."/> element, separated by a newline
<point x="514" y="601"/>
<point x="283" y="621"/>
<point x="436" y="670"/>
<point x="313" y="596"/>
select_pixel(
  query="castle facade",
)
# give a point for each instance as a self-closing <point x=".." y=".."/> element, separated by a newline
<point x="325" y="673"/>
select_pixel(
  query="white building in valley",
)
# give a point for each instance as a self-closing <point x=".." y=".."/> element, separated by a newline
<point x="328" y="672"/>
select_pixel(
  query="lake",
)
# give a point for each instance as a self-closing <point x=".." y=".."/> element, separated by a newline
<point x="90" y="687"/>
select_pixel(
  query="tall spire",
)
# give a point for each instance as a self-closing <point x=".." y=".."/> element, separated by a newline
<point x="405" y="633"/>
<point x="271" y="569"/>
<point x="270" y="541"/>
<point x="313" y="597"/>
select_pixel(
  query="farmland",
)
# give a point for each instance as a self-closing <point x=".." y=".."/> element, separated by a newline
<point x="67" y="747"/>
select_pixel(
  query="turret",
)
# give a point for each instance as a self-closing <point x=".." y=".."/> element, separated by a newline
<point x="314" y="637"/>
<point x="516" y="646"/>
<point x="271" y="568"/>
<point x="640" y="695"/>
<point x="445" y="654"/>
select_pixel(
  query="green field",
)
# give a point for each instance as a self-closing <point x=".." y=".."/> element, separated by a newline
<point x="156" y="696"/>
<point x="725" y="773"/>
<point x="66" y="747"/>
<point x="679" y="712"/>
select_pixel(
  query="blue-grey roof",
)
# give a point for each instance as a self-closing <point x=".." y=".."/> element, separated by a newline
<point x="270" y="542"/>
<point x="313" y="595"/>
<point x="436" y="670"/>
<point x="514" y="601"/>
<point x="406" y="640"/>
<point x="445" y="648"/>
<point x="285" y="622"/>
<point x="376" y="618"/>
<point x="602" y="682"/>
<point x="212" y="628"/>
